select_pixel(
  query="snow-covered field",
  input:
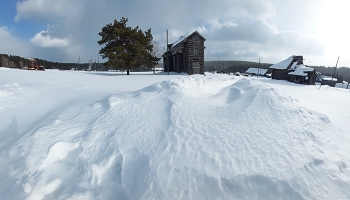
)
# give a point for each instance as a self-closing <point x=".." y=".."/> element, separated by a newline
<point x="81" y="135"/>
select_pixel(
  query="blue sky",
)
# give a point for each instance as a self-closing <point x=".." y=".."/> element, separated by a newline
<point x="271" y="30"/>
<point x="23" y="29"/>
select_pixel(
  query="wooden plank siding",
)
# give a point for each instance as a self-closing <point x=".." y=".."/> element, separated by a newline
<point x="187" y="55"/>
<point x="280" y="74"/>
<point x="178" y="62"/>
<point x="195" y="55"/>
<point x="167" y="62"/>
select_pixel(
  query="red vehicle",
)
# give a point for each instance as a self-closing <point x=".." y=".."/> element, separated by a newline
<point x="33" y="65"/>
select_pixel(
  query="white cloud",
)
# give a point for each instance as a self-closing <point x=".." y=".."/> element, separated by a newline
<point x="251" y="39"/>
<point x="43" y="10"/>
<point x="42" y="39"/>
<point x="234" y="29"/>
<point x="4" y="32"/>
<point x="295" y="40"/>
<point x="80" y="21"/>
<point x="12" y="45"/>
<point x="250" y="30"/>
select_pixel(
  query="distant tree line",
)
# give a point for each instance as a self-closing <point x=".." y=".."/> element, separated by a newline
<point x="11" y="61"/>
<point x="233" y="66"/>
<point x="341" y="73"/>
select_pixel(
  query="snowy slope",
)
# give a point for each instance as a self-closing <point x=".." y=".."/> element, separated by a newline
<point x="70" y="135"/>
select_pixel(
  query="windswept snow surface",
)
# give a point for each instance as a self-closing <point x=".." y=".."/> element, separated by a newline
<point x="79" y="135"/>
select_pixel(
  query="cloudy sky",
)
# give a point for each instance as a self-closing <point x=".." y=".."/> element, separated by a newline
<point x="63" y="30"/>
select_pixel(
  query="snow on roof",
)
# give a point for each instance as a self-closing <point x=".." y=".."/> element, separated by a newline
<point x="298" y="73"/>
<point x="304" y="68"/>
<point x="294" y="65"/>
<point x="256" y="71"/>
<point x="181" y="38"/>
<point x="300" y="70"/>
<point x="283" y="64"/>
<point x="329" y="79"/>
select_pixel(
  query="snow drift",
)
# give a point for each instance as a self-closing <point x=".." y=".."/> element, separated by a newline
<point x="191" y="137"/>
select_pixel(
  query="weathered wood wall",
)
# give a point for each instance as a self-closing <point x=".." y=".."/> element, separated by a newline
<point x="186" y="56"/>
<point x="280" y="74"/>
<point x="194" y="55"/>
<point x="178" y="62"/>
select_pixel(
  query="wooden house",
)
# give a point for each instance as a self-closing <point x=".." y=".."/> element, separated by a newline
<point x="256" y="71"/>
<point x="280" y="70"/>
<point x="329" y="81"/>
<point x="293" y="70"/>
<point x="185" y="55"/>
<point x="303" y="75"/>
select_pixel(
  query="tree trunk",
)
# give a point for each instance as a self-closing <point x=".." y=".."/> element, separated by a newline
<point x="127" y="72"/>
<point x="348" y="84"/>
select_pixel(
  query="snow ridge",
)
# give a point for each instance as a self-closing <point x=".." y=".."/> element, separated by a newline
<point x="193" y="137"/>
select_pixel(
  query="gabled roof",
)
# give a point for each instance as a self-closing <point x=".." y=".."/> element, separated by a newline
<point x="289" y="63"/>
<point x="283" y="64"/>
<point x="178" y="44"/>
<point x="300" y="70"/>
<point x="304" y="68"/>
<point x="185" y="37"/>
<point x="294" y="65"/>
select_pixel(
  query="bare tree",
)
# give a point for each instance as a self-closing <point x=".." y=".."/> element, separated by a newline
<point x="90" y="64"/>
<point x="21" y="64"/>
<point x="11" y="64"/>
<point x="4" y="61"/>
<point x="157" y="52"/>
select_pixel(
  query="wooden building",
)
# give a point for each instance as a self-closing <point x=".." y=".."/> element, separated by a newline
<point x="293" y="70"/>
<point x="280" y="70"/>
<point x="256" y="71"/>
<point x="185" y="55"/>
<point x="329" y="81"/>
<point x="303" y="75"/>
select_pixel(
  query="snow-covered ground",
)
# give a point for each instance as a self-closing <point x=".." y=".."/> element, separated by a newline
<point x="81" y="135"/>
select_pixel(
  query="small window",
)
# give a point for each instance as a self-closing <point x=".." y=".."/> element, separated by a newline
<point x="195" y="51"/>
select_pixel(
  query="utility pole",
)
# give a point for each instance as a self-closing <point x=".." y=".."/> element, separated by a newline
<point x="167" y="52"/>
<point x="223" y="65"/>
<point x="258" y="69"/>
<point x="78" y="63"/>
<point x="335" y="69"/>
<point x="98" y="61"/>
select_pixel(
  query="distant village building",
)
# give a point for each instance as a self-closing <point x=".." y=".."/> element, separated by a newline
<point x="256" y="71"/>
<point x="329" y="81"/>
<point x="303" y="75"/>
<point x="293" y="70"/>
<point x="280" y="70"/>
<point x="185" y="55"/>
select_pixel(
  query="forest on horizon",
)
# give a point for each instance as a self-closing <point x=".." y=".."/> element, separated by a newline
<point x="225" y="66"/>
